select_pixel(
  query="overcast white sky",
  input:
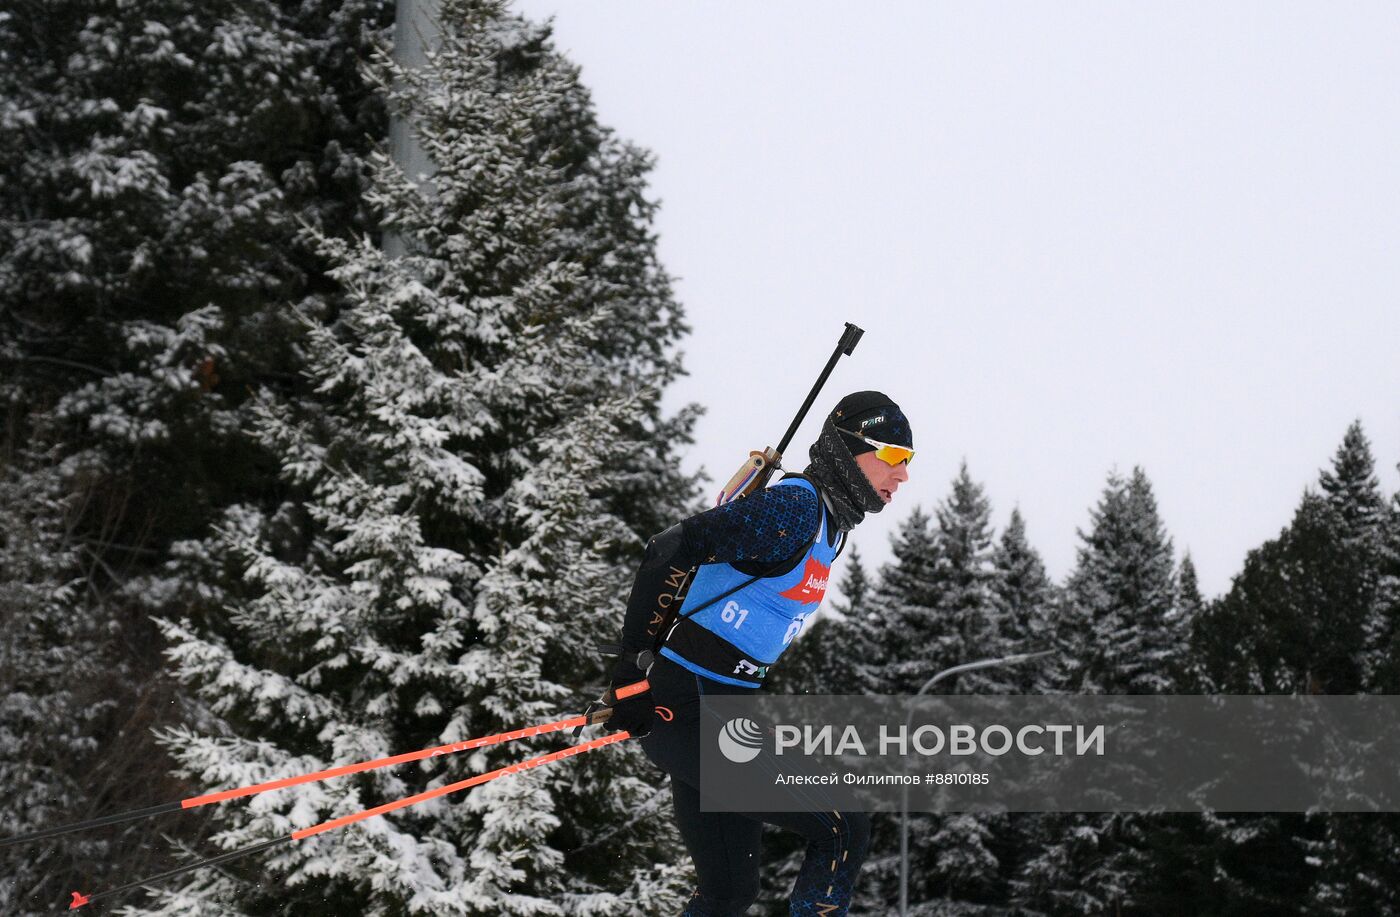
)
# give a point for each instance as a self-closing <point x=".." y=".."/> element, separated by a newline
<point x="1078" y="236"/>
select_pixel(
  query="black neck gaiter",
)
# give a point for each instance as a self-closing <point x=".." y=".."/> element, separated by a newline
<point x="840" y="479"/>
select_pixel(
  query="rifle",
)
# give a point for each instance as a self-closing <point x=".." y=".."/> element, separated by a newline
<point x="754" y="474"/>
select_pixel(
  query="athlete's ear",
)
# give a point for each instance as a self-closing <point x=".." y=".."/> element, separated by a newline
<point x="661" y="548"/>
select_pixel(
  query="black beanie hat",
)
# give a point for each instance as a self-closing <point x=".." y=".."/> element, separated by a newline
<point x="875" y="415"/>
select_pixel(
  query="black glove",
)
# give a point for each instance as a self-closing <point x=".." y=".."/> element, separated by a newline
<point x="632" y="713"/>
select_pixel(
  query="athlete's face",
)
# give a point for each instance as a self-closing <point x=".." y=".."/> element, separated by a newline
<point x="884" y="478"/>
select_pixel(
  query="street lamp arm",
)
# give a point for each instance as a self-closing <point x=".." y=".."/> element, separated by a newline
<point x="981" y="664"/>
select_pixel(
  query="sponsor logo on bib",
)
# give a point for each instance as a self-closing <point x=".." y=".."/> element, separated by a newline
<point x="812" y="587"/>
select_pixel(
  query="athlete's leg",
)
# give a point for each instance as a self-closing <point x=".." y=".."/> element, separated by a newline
<point x="725" y="850"/>
<point x="837" y="844"/>
<point x="725" y="846"/>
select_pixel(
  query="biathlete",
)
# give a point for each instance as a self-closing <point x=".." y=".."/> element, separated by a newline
<point x="776" y="546"/>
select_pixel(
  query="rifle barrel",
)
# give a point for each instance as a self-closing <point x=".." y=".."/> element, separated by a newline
<point x="847" y="345"/>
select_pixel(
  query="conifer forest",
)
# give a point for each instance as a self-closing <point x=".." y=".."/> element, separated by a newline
<point x="307" y="460"/>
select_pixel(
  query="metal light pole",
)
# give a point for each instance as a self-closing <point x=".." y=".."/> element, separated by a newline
<point x="904" y="794"/>
<point x="416" y="35"/>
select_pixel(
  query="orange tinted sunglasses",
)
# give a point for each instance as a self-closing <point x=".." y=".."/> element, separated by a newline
<point x="888" y="453"/>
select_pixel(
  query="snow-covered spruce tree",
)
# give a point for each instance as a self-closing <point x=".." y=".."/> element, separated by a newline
<point x="1358" y="853"/>
<point x="1383" y="643"/>
<point x="1261" y="863"/>
<point x="1116" y="634"/>
<point x="1363" y="527"/>
<point x="935" y="607"/>
<point x="1226" y="637"/>
<point x="1119" y="639"/>
<point x="1190" y="606"/>
<point x="1301" y="618"/>
<point x="855" y="587"/>
<point x="903" y="606"/>
<point x="1352" y="489"/>
<point x="155" y="160"/>
<point x="1360" y="866"/>
<point x="858" y="668"/>
<point x="50" y="660"/>
<point x="1383" y="627"/>
<point x="951" y="855"/>
<point x="1304" y="609"/>
<point x="967" y="625"/>
<point x="467" y="491"/>
<point x="1023" y="592"/>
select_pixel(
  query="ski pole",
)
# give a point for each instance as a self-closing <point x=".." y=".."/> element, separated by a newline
<point x="590" y="718"/>
<point x="79" y="899"/>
